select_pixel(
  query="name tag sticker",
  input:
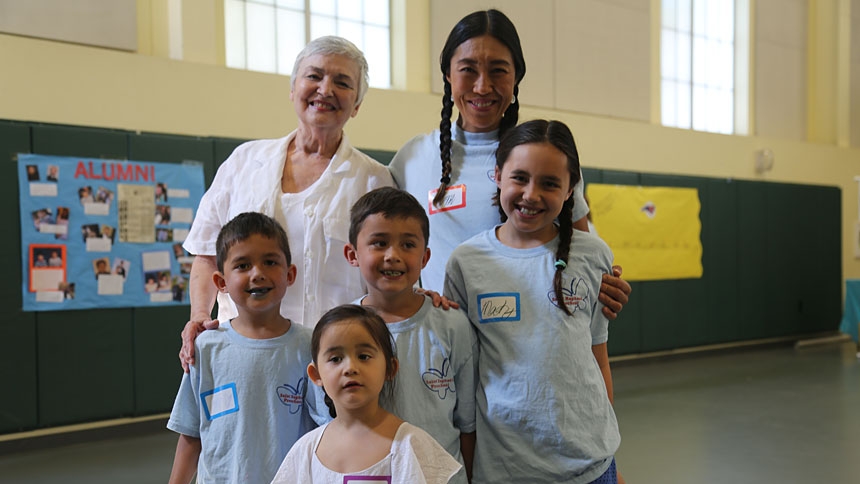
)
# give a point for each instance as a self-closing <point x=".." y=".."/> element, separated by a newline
<point x="498" y="306"/>
<point x="367" y="479"/>
<point x="220" y="401"/>
<point x="455" y="197"/>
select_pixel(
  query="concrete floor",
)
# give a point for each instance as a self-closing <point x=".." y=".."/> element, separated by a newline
<point x="773" y="415"/>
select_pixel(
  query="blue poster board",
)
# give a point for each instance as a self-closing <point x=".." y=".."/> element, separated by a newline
<point x="101" y="233"/>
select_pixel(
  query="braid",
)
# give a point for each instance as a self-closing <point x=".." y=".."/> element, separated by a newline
<point x="445" y="143"/>
<point x="512" y="114"/>
<point x="565" y="234"/>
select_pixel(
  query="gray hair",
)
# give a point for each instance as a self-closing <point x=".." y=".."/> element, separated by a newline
<point x="333" y="45"/>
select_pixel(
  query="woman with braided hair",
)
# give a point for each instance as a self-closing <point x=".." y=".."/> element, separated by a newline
<point x="482" y="65"/>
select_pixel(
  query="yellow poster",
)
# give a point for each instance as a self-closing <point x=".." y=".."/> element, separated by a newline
<point x="654" y="232"/>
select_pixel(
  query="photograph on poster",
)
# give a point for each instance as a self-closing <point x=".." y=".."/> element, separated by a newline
<point x="32" y="172"/>
<point x="178" y="289"/>
<point x="104" y="195"/>
<point x="90" y="231"/>
<point x="108" y="232"/>
<point x="101" y="266"/>
<point x="53" y="173"/>
<point x="85" y="194"/>
<point x="62" y="232"/>
<point x="47" y="267"/>
<point x="160" y="192"/>
<point x="164" y="235"/>
<point x="162" y="214"/>
<point x="43" y="216"/>
<point x="68" y="289"/>
<point x="121" y="267"/>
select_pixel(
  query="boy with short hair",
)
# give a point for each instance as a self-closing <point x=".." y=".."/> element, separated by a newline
<point x="242" y="405"/>
<point x="435" y="388"/>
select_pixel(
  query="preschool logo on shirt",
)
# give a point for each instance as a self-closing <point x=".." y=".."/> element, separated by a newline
<point x="293" y="396"/>
<point x="576" y="295"/>
<point x="438" y="380"/>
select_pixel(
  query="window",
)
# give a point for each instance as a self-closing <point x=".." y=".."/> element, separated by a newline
<point x="697" y="63"/>
<point x="267" y="35"/>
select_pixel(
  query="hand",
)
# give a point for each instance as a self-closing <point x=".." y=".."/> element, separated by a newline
<point x="614" y="293"/>
<point x="189" y="334"/>
<point x="438" y="299"/>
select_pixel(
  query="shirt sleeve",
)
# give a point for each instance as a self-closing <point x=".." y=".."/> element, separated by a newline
<point x="185" y="417"/>
<point x="466" y="376"/>
<point x="212" y="213"/>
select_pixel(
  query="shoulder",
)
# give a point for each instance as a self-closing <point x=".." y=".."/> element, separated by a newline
<point x="435" y="463"/>
<point x="475" y="244"/>
<point x="358" y="163"/>
<point x="300" y="337"/>
<point x="252" y="154"/>
<point x="591" y="246"/>
<point x="419" y="146"/>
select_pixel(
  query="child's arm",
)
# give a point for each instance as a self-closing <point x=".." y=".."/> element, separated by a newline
<point x="185" y="460"/>
<point x="601" y="354"/>
<point x="467" y="448"/>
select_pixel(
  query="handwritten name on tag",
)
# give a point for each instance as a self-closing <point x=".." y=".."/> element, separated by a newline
<point x="498" y="306"/>
<point x="455" y="197"/>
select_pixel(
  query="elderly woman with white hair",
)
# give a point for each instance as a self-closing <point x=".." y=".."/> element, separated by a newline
<point x="307" y="181"/>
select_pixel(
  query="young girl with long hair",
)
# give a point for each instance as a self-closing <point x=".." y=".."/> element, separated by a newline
<point x="353" y="362"/>
<point x="529" y="287"/>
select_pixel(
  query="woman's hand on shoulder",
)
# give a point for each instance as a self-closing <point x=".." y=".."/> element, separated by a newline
<point x="192" y="329"/>
<point x="614" y="293"/>
<point x="438" y="299"/>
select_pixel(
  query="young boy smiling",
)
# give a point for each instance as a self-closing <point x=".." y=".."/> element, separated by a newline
<point x="435" y="388"/>
<point x="242" y="405"/>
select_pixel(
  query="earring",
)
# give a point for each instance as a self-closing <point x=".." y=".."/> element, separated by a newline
<point x="514" y="100"/>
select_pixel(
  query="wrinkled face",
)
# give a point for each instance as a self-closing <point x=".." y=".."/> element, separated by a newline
<point x="390" y="252"/>
<point x="482" y="78"/>
<point x="534" y="183"/>
<point x="256" y="275"/>
<point x="325" y="91"/>
<point x="350" y="366"/>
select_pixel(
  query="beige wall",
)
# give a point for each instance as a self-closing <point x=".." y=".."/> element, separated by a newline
<point x="64" y="83"/>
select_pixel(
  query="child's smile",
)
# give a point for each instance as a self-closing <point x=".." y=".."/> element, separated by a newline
<point x="534" y="183"/>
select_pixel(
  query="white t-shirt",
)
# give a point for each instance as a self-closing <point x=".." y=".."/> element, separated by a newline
<point x="415" y="458"/>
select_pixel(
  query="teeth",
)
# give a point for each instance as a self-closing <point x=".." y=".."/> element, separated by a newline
<point x="482" y="104"/>
<point x="393" y="273"/>
<point x="526" y="211"/>
<point x="322" y="105"/>
<point x="259" y="291"/>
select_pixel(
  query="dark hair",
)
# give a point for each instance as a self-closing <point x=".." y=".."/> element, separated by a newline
<point x="559" y="136"/>
<point x="476" y="24"/>
<point x="391" y="203"/>
<point x="244" y="226"/>
<point x="374" y="325"/>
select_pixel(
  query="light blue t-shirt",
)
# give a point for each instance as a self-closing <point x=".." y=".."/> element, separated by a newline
<point x="435" y="386"/>
<point x="245" y="399"/>
<point x="543" y="411"/>
<point x="469" y="209"/>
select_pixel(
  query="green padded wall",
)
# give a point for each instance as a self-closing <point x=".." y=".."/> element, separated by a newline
<point x="19" y="407"/>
